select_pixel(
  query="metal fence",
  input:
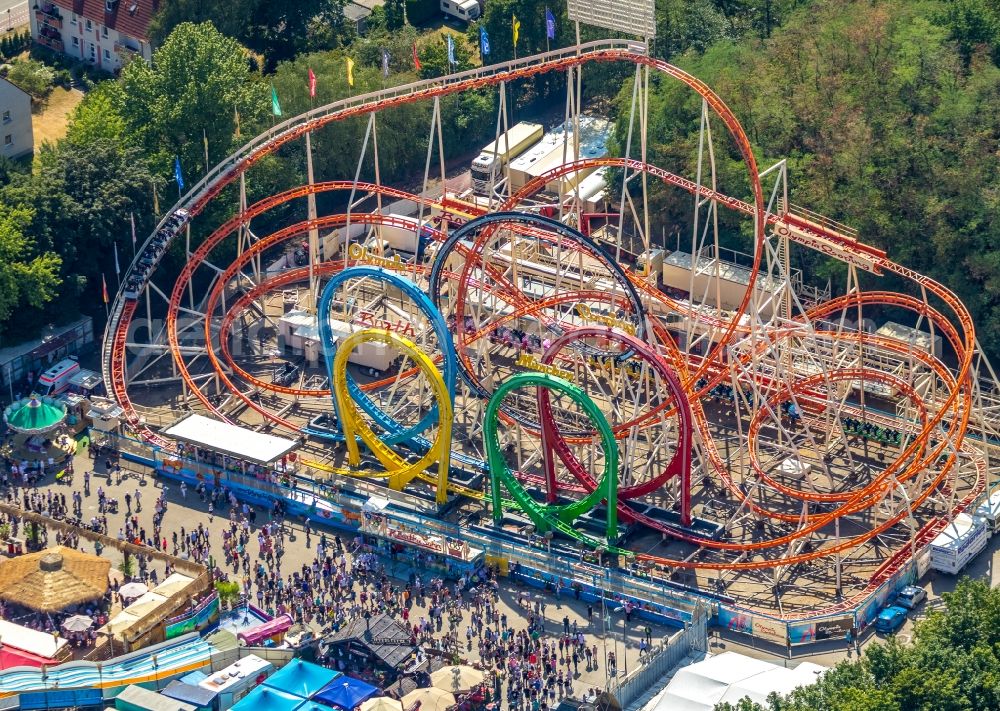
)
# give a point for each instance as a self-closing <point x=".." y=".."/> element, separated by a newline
<point x="693" y="638"/>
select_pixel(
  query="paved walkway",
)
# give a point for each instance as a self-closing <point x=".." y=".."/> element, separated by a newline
<point x="609" y="634"/>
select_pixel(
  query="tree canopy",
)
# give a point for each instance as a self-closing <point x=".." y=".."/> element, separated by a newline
<point x="953" y="664"/>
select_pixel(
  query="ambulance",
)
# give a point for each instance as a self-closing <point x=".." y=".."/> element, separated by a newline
<point x="57" y="378"/>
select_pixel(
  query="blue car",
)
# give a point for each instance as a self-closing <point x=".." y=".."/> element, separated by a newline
<point x="890" y="619"/>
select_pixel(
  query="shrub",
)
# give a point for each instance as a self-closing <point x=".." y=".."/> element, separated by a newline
<point x="420" y="11"/>
<point x="31" y="76"/>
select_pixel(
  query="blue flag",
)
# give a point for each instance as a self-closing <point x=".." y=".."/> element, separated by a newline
<point x="484" y="42"/>
<point x="550" y="24"/>
<point x="451" y="50"/>
<point x="177" y="173"/>
<point x="385" y="63"/>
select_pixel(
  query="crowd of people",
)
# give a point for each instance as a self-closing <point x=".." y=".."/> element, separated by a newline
<point x="532" y="662"/>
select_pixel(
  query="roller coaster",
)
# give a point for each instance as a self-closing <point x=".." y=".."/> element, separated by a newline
<point x="766" y="443"/>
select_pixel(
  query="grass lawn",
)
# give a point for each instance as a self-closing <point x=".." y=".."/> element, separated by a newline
<point x="50" y="123"/>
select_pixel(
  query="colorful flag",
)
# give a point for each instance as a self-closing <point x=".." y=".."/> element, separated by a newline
<point x="312" y="84"/>
<point x="350" y="71"/>
<point x="237" y="114"/>
<point x="131" y="217"/>
<point x="118" y="271"/>
<point x="516" y="27"/>
<point x="385" y="63"/>
<point x="204" y="138"/>
<point x="416" y="59"/>
<point x="178" y="176"/>
<point x="484" y="42"/>
<point x="451" y="49"/>
<point x="550" y="24"/>
<point x="104" y="289"/>
<point x="275" y="106"/>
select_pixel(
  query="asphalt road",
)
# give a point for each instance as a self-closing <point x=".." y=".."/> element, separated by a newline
<point x="13" y="14"/>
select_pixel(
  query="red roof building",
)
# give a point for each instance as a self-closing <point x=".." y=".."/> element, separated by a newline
<point x="105" y="33"/>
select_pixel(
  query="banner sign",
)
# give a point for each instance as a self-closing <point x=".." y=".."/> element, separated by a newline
<point x="771" y="630"/>
<point x="834" y="627"/>
<point x="735" y="621"/>
<point x="801" y="632"/>
<point x="195" y="619"/>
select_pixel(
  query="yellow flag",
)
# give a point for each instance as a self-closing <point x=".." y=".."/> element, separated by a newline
<point x="350" y="71"/>
<point x="516" y="26"/>
<point x="237" y="115"/>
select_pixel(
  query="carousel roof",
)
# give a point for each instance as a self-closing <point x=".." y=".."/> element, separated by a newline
<point x="35" y="415"/>
<point x="54" y="579"/>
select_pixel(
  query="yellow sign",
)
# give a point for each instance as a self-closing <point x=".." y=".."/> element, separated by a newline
<point x="526" y="360"/>
<point x="360" y="254"/>
<point x="584" y="311"/>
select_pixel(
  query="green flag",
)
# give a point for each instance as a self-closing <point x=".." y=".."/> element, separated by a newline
<point x="275" y="106"/>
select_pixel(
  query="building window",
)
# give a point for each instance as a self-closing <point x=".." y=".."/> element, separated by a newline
<point x="107" y="55"/>
<point x="93" y="51"/>
<point x="8" y="140"/>
<point x="6" y="116"/>
<point x="72" y="20"/>
<point x="76" y="41"/>
<point x="89" y="25"/>
<point x="104" y="30"/>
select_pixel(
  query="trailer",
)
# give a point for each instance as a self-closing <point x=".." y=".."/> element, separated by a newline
<point x="466" y="10"/>
<point x="487" y="167"/>
<point x="959" y="543"/>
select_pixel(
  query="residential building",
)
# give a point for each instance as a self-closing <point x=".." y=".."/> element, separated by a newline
<point x="105" y="33"/>
<point x="16" y="136"/>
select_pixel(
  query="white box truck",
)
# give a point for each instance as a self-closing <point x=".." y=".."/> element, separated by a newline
<point x="467" y="10"/>
<point x="959" y="543"/>
<point x="487" y="167"/>
<point x="990" y="511"/>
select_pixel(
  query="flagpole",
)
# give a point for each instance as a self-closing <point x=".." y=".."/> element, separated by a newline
<point x="204" y="138"/>
<point x="311" y="205"/>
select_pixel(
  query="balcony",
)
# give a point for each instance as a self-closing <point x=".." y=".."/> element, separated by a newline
<point x="48" y="14"/>
<point x="53" y="43"/>
<point x="125" y="51"/>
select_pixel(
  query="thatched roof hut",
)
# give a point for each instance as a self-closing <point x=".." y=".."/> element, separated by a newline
<point x="54" y="579"/>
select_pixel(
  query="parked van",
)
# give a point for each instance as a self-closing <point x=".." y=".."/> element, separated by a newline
<point x="990" y="510"/>
<point x="467" y="10"/>
<point x="57" y="378"/>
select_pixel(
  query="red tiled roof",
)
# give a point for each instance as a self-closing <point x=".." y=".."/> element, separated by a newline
<point x="130" y="17"/>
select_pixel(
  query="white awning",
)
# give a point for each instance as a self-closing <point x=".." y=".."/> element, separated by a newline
<point x="228" y="439"/>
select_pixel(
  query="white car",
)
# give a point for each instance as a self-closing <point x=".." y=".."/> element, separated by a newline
<point x="911" y="596"/>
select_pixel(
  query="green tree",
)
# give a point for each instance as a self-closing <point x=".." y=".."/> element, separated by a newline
<point x="87" y="191"/>
<point x="419" y="12"/>
<point x="196" y="83"/>
<point x="973" y="24"/>
<point x="27" y="278"/>
<point x="31" y="76"/>
<point x="230" y="17"/>
<point x="99" y="117"/>
<point x="394" y="14"/>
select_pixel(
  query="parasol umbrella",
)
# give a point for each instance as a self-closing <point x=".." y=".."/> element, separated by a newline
<point x="382" y="703"/>
<point x="77" y="623"/>
<point x="430" y="699"/>
<point x="131" y="591"/>
<point x="457" y="678"/>
<point x="35" y="415"/>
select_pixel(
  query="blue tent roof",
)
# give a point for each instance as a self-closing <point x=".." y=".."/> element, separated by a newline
<point x="264" y="697"/>
<point x="301" y="678"/>
<point x="346" y="692"/>
<point x="312" y="706"/>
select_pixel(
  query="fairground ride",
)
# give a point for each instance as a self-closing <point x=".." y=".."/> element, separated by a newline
<point x="593" y="376"/>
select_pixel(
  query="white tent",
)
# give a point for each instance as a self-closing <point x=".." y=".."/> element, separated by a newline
<point x="728" y="677"/>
